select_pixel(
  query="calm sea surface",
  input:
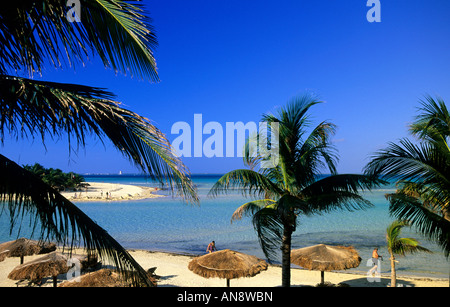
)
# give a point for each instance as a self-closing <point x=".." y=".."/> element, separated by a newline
<point x="168" y="224"/>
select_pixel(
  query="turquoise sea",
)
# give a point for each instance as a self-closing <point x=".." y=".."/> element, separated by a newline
<point x="169" y="224"/>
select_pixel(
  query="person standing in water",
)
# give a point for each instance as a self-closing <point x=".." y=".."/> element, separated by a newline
<point x="211" y="247"/>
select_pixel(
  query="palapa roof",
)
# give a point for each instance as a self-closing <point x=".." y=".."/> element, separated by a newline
<point x="51" y="264"/>
<point x="24" y="247"/>
<point x="100" y="278"/>
<point x="227" y="264"/>
<point x="326" y="258"/>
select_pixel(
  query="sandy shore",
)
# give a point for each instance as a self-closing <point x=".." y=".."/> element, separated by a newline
<point x="173" y="271"/>
<point x="110" y="192"/>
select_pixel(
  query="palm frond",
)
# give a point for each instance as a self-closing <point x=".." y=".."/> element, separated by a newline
<point x="249" y="182"/>
<point x="269" y="228"/>
<point x="317" y="152"/>
<point x="343" y="182"/>
<point x="402" y="246"/>
<point x="117" y="30"/>
<point x="25" y="194"/>
<point x="408" y="161"/>
<point x="339" y="192"/>
<point x="428" y="222"/>
<point x="434" y="196"/>
<point x="251" y="208"/>
<point x="30" y="108"/>
<point x="433" y="121"/>
<point x="289" y="206"/>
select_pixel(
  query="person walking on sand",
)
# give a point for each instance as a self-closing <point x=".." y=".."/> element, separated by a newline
<point x="211" y="247"/>
<point x="375" y="260"/>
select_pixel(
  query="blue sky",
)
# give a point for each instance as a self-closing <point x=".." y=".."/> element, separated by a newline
<point x="235" y="60"/>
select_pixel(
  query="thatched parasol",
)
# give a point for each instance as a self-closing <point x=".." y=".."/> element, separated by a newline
<point x="51" y="264"/>
<point x="326" y="258"/>
<point x="24" y="247"/>
<point x="227" y="264"/>
<point x="100" y="278"/>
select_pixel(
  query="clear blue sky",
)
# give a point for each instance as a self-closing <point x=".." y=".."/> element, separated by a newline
<point x="235" y="60"/>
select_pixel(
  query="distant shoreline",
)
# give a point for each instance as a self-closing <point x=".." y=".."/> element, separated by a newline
<point x="100" y="191"/>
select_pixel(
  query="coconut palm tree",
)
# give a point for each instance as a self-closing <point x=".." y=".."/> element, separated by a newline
<point x="422" y="173"/>
<point x="35" y="33"/>
<point x="293" y="186"/>
<point x="400" y="246"/>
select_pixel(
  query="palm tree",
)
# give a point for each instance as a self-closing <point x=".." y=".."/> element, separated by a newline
<point x="34" y="33"/>
<point x="400" y="246"/>
<point x="294" y="186"/>
<point x="422" y="173"/>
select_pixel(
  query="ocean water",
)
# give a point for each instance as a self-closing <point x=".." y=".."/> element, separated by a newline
<point x="169" y="224"/>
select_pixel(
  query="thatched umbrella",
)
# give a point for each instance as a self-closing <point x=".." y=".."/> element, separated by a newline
<point x="100" y="278"/>
<point x="227" y="264"/>
<point x="24" y="247"/>
<point x="51" y="264"/>
<point x="326" y="258"/>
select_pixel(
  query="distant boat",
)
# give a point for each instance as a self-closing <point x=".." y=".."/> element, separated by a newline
<point x="120" y="172"/>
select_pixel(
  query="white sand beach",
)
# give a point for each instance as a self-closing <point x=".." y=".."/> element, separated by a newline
<point x="173" y="271"/>
<point x="110" y="192"/>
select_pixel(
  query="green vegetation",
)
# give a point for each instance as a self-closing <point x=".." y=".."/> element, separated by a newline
<point x="56" y="178"/>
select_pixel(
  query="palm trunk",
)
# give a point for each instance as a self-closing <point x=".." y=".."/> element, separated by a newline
<point x="393" y="273"/>
<point x="286" y="257"/>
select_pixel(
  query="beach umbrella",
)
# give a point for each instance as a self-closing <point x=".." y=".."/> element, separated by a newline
<point x="24" y="247"/>
<point x="227" y="264"/>
<point x="326" y="258"/>
<point x="50" y="265"/>
<point x="100" y="278"/>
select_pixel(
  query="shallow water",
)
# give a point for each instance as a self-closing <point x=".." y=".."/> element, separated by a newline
<point x="168" y="224"/>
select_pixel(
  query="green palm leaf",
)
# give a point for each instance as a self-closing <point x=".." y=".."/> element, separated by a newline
<point x="251" y="208"/>
<point x="249" y="182"/>
<point x="433" y="121"/>
<point x="402" y="246"/>
<point x="428" y="222"/>
<point x="116" y="30"/>
<point x="25" y="194"/>
<point x="30" y="108"/>
<point x="269" y="229"/>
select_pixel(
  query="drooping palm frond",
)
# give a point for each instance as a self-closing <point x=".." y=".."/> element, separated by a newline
<point x="117" y="30"/>
<point x="421" y="168"/>
<point x="408" y="161"/>
<point x="249" y="182"/>
<point x="24" y="194"/>
<point x="269" y="228"/>
<point x="427" y="221"/>
<point x="32" y="108"/>
<point x="339" y="192"/>
<point x="251" y="208"/>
